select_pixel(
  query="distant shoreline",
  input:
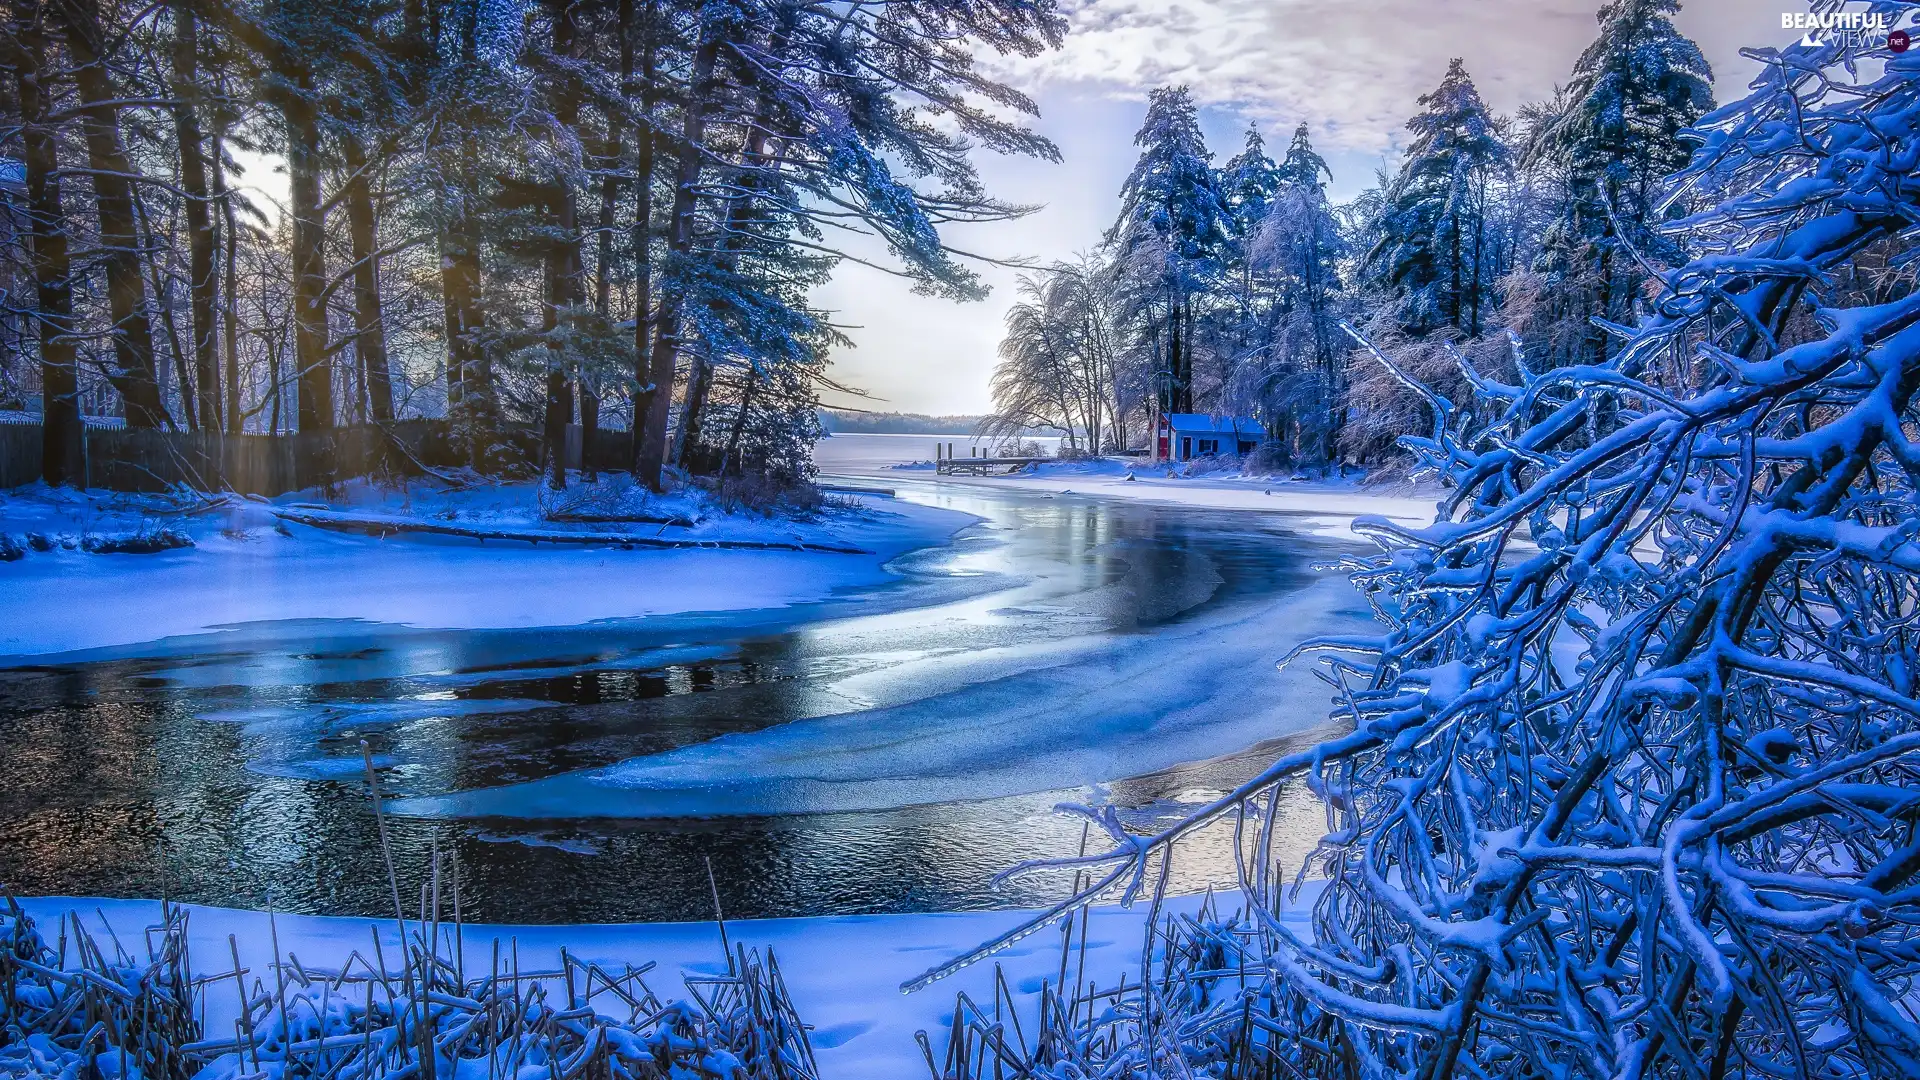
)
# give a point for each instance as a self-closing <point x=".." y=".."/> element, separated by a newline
<point x="849" y="422"/>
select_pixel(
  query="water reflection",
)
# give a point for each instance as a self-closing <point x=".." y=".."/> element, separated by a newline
<point x="233" y="774"/>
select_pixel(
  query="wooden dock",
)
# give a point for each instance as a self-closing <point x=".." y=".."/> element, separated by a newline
<point x="982" y="466"/>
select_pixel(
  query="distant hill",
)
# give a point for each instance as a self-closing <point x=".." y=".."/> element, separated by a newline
<point x="895" y="423"/>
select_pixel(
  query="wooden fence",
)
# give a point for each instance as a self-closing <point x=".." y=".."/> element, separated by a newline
<point x="121" y="459"/>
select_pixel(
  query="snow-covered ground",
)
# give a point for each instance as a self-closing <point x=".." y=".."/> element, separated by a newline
<point x="1332" y="504"/>
<point x="844" y="973"/>
<point x="249" y="565"/>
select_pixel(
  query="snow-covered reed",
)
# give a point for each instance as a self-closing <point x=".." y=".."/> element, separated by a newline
<point x="82" y="1007"/>
<point x="74" y="1010"/>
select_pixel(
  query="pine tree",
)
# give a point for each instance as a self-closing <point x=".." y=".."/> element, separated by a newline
<point x="469" y="87"/>
<point x="1634" y="90"/>
<point x="1306" y="239"/>
<point x="1242" y="321"/>
<point x="1249" y="182"/>
<point x="1431" y="252"/>
<point x="1296" y="252"/>
<point x="1170" y="239"/>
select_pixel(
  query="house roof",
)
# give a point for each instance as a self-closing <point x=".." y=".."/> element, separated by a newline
<point x="1204" y="424"/>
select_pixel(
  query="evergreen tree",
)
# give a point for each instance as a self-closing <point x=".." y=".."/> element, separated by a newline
<point x="1170" y="239"/>
<point x="1296" y="251"/>
<point x="1617" y="133"/>
<point x="1241" y="321"/>
<point x="1249" y="182"/>
<point x="1431" y="253"/>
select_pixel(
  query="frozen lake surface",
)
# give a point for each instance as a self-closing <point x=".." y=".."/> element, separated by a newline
<point x="886" y="750"/>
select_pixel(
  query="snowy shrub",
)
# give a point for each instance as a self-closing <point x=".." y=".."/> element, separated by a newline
<point x="149" y="540"/>
<point x="1213" y="465"/>
<point x="764" y="495"/>
<point x="11" y="548"/>
<point x="1632" y="785"/>
<point x="1270" y="459"/>
<point x="613" y="494"/>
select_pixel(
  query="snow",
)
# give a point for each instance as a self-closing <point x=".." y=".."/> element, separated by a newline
<point x="247" y="567"/>
<point x="844" y="973"/>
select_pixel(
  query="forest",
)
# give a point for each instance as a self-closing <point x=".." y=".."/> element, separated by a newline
<point x="1222" y="288"/>
<point x="508" y="217"/>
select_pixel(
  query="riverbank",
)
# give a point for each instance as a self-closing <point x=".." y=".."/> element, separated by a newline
<point x="221" y="564"/>
<point x="1327" y="506"/>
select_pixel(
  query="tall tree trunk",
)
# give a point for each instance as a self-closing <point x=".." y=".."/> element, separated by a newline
<point x="369" y="326"/>
<point x="275" y="344"/>
<point x="1479" y="241"/>
<point x="564" y="266"/>
<point x="753" y="158"/>
<point x="467" y="383"/>
<point x="469" y="380"/>
<point x="1453" y="265"/>
<point x="611" y="153"/>
<point x="62" y="445"/>
<point x="202" y="282"/>
<point x="1177" y="363"/>
<point x="699" y="382"/>
<point x="589" y="425"/>
<point x="313" y="370"/>
<point x="1596" y="337"/>
<point x="649" y="395"/>
<point x="135" y="367"/>
<point x="230" y="302"/>
<point x="731" y="459"/>
<point x="167" y="325"/>
<point x="652" y="439"/>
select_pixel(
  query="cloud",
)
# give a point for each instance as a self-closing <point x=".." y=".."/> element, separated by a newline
<point x="1351" y="70"/>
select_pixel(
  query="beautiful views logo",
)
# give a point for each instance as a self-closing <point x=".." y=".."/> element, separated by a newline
<point x="1853" y="29"/>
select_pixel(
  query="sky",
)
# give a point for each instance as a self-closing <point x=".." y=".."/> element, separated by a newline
<point x="1352" y="70"/>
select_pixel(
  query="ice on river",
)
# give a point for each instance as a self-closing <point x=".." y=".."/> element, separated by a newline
<point x="999" y="722"/>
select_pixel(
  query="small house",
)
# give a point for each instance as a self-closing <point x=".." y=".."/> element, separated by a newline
<point x="1185" y="436"/>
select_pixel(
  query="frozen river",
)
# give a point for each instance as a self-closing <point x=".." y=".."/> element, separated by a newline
<point x="885" y="751"/>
